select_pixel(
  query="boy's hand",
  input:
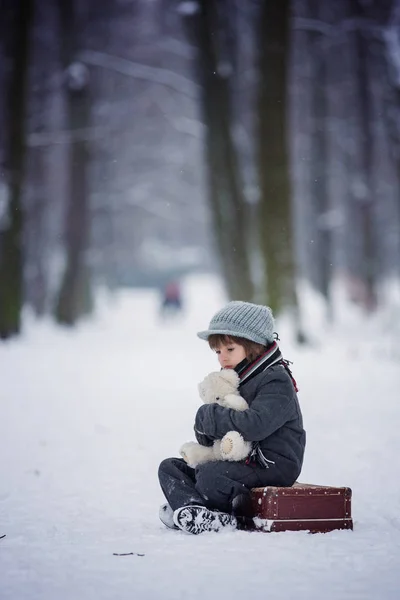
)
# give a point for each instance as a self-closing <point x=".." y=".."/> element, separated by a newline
<point x="202" y="438"/>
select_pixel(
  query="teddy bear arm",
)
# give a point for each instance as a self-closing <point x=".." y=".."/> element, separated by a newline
<point x="194" y="454"/>
<point x="216" y="448"/>
<point x="234" y="401"/>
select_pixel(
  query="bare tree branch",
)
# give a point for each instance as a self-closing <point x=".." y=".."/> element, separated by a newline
<point x="336" y="30"/>
<point x="164" y="77"/>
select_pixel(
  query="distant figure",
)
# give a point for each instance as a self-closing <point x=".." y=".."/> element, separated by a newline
<point x="172" y="299"/>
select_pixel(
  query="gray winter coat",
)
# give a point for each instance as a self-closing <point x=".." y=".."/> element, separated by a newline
<point x="273" y="419"/>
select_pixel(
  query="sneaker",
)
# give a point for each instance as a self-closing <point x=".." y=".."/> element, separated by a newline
<point x="196" y="519"/>
<point x="166" y="515"/>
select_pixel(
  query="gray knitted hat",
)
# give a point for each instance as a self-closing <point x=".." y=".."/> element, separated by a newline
<point x="243" y="319"/>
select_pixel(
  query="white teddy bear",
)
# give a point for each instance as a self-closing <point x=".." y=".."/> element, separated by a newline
<point x="220" y="387"/>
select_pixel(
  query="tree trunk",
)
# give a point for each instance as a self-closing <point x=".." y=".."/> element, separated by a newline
<point x="11" y="258"/>
<point x="36" y="226"/>
<point x="275" y="218"/>
<point x="228" y="208"/>
<point x="323" y="251"/>
<point x="363" y="201"/>
<point x="74" y="299"/>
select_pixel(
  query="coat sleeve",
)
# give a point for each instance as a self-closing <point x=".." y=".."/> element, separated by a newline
<point x="202" y="438"/>
<point x="272" y="407"/>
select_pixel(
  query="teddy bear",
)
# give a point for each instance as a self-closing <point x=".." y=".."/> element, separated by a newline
<point x="220" y="387"/>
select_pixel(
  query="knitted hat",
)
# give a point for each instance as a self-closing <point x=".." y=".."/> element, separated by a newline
<point x="243" y="319"/>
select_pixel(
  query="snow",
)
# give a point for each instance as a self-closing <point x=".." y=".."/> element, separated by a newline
<point x="86" y="417"/>
<point x="187" y="8"/>
<point x="77" y="76"/>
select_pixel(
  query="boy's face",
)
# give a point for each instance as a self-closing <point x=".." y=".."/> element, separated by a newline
<point x="230" y="355"/>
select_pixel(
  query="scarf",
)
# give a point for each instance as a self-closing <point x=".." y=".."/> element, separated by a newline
<point x="272" y="356"/>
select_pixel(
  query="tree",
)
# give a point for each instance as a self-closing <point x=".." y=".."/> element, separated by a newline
<point x="227" y="204"/>
<point x="11" y="221"/>
<point x="74" y="299"/>
<point x="275" y="219"/>
<point x="320" y="161"/>
<point x="362" y="194"/>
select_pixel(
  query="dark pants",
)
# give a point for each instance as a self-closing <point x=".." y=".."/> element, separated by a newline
<point x="214" y="484"/>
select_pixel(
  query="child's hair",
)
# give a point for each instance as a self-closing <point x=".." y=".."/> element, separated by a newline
<point x="252" y="349"/>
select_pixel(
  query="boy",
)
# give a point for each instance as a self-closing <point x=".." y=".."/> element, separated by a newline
<point x="210" y="497"/>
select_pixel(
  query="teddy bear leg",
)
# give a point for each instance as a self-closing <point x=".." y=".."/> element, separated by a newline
<point x="195" y="454"/>
<point x="234" y="447"/>
<point x="217" y="450"/>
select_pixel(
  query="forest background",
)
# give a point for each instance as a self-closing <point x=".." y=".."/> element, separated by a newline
<point x="142" y="140"/>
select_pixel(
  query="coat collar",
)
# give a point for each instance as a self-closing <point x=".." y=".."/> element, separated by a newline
<point x="247" y="370"/>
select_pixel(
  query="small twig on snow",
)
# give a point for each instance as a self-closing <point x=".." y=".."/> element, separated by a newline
<point x="127" y="554"/>
<point x="2" y="536"/>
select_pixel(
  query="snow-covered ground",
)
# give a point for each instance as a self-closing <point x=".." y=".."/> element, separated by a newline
<point x="86" y="417"/>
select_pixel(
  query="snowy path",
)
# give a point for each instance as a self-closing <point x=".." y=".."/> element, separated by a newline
<point x="85" y="419"/>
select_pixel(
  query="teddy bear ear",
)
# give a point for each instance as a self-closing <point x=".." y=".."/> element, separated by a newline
<point x="230" y="376"/>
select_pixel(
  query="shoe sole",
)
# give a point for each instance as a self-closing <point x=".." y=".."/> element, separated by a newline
<point x="198" y="519"/>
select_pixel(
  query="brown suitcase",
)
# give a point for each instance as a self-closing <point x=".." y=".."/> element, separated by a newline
<point x="302" y="507"/>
